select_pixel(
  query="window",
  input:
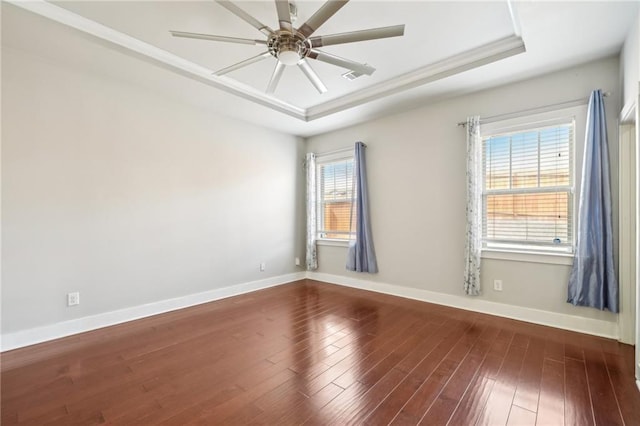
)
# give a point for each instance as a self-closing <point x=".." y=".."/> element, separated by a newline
<point x="528" y="187"/>
<point x="335" y="197"/>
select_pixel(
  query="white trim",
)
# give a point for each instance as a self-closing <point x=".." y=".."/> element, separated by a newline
<point x="332" y="243"/>
<point x="480" y="55"/>
<point x="515" y="21"/>
<point x="638" y="384"/>
<point x="530" y="257"/>
<point x="628" y="113"/>
<point x="80" y="325"/>
<point x="564" y="321"/>
<point x="627" y="233"/>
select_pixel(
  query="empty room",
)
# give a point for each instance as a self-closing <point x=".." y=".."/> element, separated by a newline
<point x="320" y="212"/>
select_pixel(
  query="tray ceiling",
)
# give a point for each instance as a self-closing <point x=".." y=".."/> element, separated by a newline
<point x="444" y="42"/>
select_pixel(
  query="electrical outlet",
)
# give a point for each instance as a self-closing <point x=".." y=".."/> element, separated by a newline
<point x="263" y="266"/>
<point x="297" y="261"/>
<point x="497" y="285"/>
<point x="73" y="299"/>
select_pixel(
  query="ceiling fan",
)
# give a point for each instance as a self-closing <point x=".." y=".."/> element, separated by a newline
<point x="292" y="46"/>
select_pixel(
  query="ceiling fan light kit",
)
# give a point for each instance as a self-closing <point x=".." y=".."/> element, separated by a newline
<point x="291" y="46"/>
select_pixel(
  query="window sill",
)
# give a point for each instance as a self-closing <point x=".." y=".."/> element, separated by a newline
<point x="531" y="257"/>
<point x="332" y="242"/>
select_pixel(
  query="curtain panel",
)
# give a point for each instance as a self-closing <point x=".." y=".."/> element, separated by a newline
<point x="593" y="278"/>
<point x="473" y="243"/>
<point x="361" y="256"/>
<point x="311" y="254"/>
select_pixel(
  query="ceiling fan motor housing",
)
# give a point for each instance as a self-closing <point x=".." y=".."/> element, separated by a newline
<point x="288" y="47"/>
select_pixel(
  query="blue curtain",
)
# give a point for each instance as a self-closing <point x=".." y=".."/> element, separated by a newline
<point x="361" y="256"/>
<point x="593" y="279"/>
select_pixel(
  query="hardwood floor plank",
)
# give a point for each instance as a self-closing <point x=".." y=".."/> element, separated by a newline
<point x="621" y="373"/>
<point x="603" y="397"/>
<point x="316" y="353"/>
<point x="350" y="397"/>
<point x="423" y="398"/>
<point x="521" y="417"/>
<point x="498" y="405"/>
<point x="398" y="335"/>
<point x="423" y="362"/>
<point x="551" y="403"/>
<point x="574" y="352"/>
<point x="554" y="350"/>
<point x="473" y="401"/>
<point x="528" y="390"/>
<point x="577" y="402"/>
<point x="446" y="403"/>
<point x="493" y="362"/>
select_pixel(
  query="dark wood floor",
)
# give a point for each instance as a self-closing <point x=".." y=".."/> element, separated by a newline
<point x="314" y="353"/>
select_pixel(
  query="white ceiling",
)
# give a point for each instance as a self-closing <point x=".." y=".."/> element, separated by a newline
<point x="448" y="48"/>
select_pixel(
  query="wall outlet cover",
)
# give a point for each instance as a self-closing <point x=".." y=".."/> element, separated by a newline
<point x="73" y="299"/>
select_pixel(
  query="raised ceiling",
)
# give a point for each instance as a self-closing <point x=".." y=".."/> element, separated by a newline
<point x="448" y="47"/>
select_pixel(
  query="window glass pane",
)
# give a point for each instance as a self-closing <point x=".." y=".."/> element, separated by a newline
<point x="496" y="162"/>
<point x="528" y="186"/>
<point x="554" y="157"/>
<point x="524" y="160"/>
<point x="336" y="215"/>
<point x="532" y="217"/>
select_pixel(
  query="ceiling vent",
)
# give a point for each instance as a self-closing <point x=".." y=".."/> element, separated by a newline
<point x="352" y="75"/>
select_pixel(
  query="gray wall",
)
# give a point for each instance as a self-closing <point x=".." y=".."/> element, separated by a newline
<point x="416" y="166"/>
<point x="132" y="197"/>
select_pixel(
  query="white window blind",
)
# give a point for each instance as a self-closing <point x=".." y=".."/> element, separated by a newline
<point x="335" y="199"/>
<point x="528" y="189"/>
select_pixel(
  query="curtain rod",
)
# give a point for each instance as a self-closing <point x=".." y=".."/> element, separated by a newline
<point x="537" y="110"/>
<point x="339" y="151"/>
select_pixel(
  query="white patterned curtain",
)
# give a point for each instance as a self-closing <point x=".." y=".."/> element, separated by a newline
<point x="474" y="208"/>
<point x="312" y="255"/>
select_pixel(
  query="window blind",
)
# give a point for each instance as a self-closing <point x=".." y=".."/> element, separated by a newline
<point x="528" y="189"/>
<point x="336" y="210"/>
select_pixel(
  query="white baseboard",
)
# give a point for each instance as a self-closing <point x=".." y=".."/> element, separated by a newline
<point x="67" y="328"/>
<point x="80" y="325"/>
<point x="564" y="321"/>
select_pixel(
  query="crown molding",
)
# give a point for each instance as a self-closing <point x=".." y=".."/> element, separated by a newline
<point x="464" y="61"/>
<point x="474" y="58"/>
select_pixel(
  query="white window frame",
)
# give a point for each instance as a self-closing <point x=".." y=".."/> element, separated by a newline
<point x="323" y="159"/>
<point x="531" y="253"/>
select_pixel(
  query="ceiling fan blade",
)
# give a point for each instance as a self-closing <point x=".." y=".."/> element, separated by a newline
<point x="353" y="36"/>
<point x="284" y="15"/>
<point x="275" y="77"/>
<point x="321" y="16"/>
<point x="244" y="63"/>
<point x="341" y="62"/>
<point x="312" y="76"/>
<point x="231" y="7"/>
<point x="216" y="38"/>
